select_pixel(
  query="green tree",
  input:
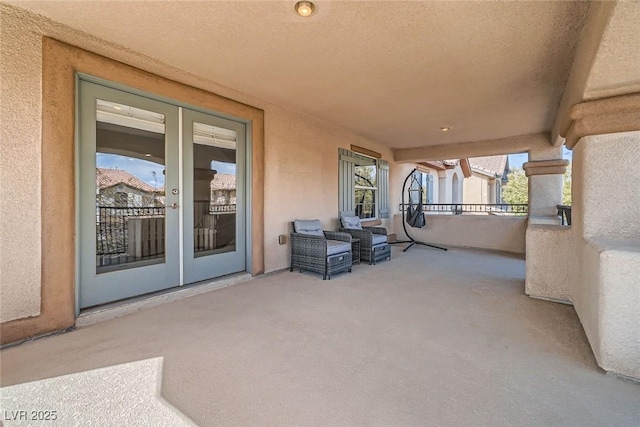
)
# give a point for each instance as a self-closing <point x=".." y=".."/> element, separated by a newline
<point x="566" y="187"/>
<point x="516" y="191"/>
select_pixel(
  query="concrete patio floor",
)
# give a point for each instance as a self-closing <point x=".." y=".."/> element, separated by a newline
<point x="430" y="338"/>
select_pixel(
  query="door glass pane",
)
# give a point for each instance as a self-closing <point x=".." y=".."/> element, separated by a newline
<point x="214" y="189"/>
<point x="130" y="187"/>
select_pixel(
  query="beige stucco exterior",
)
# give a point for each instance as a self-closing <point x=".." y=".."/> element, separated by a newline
<point x="450" y="185"/>
<point x="20" y="193"/>
<point x="443" y="183"/>
<point x="606" y="262"/>
<point x="39" y="236"/>
<point x="548" y="272"/>
<point x="594" y="265"/>
<point x="477" y="189"/>
<point x="498" y="233"/>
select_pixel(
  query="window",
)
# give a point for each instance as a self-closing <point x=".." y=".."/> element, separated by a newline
<point x="425" y="180"/>
<point x="427" y="188"/>
<point x="364" y="185"/>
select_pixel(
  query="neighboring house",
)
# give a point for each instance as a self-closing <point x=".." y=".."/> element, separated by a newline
<point x="119" y="231"/>
<point x="119" y="188"/>
<point x="488" y="175"/>
<point x="442" y="181"/>
<point x="223" y="193"/>
<point x="214" y="217"/>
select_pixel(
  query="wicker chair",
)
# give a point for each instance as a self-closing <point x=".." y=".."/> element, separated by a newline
<point x="324" y="252"/>
<point x="373" y="240"/>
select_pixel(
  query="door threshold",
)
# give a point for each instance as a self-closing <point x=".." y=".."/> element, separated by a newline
<point x="120" y="308"/>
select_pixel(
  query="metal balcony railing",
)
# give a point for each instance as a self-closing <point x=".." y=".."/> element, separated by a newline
<point x="461" y="208"/>
<point x="111" y="226"/>
<point x="217" y="209"/>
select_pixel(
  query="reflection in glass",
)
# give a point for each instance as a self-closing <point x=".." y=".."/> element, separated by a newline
<point x="214" y="189"/>
<point x="130" y="187"/>
<point x="365" y="187"/>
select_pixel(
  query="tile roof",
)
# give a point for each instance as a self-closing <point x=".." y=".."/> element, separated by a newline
<point x="450" y="162"/>
<point x="493" y="164"/>
<point x="223" y="181"/>
<point x="106" y="178"/>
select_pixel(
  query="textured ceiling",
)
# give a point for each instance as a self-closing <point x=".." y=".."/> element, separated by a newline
<point x="392" y="71"/>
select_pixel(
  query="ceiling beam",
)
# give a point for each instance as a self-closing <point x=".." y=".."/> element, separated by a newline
<point x="606" y="60"/>
<point x="492" y="147"/>
<point x="601" y="116"/>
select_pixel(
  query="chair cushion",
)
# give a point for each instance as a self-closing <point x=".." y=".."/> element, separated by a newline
<point x="311" y="226"/>
<point x="337" y="247"/>
<point x="376" y="239"/>
<point x="351" y="223"/>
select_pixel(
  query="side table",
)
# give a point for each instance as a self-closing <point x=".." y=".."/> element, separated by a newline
<point x="355" y="251"/>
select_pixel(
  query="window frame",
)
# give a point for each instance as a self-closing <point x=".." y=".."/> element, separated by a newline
<point x="374" y="189"/>
<point x="347" y="161"/>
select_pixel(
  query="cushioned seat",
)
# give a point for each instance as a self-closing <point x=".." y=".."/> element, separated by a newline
<point x="313" y="249"/>
<point x="336" y="247"/>
<point x="376" y="239"/>
<point x="373" y="240"/>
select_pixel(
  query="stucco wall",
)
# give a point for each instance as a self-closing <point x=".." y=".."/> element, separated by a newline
<point x="620" y="306"/>
<point x="500" y="233"/>
<point x="549" y="261"/>
<point x="300" y="156"/>
<point x="585" y="291"/>
<point x="476" y="190"/>
<point x="612" y="193"/>
<point x="445" y="185"/>
<point x="606" y="248"/>
<point x="301" y="180"/>
<point x="20" y="141"/>
<point x="607" y="301"/>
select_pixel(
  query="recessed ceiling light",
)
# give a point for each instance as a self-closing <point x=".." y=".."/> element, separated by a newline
<point x="305" y="8"/>
<point x="147" y="154"/>
<point x="445" y="128"/>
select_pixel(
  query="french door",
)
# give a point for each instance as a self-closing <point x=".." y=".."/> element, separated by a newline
<point x="162" y="195"/>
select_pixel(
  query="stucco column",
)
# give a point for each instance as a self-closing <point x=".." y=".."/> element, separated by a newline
<point x="547" y="242"/>
<point x="605" y="245"/>
<point x="444" y="193"/>
<point x="545" y="169"/>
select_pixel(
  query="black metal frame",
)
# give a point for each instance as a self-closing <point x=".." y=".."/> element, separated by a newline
<point x="412" y="241"/>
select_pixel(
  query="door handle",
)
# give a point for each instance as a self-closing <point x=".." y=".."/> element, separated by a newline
<point x="173" y="206"/>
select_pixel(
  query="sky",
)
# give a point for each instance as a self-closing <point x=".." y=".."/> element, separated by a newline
<point x="145" y="169"/>
<point x="516" y="160"/>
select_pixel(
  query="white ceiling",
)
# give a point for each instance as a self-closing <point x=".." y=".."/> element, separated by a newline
<point x="392" y="71"/>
